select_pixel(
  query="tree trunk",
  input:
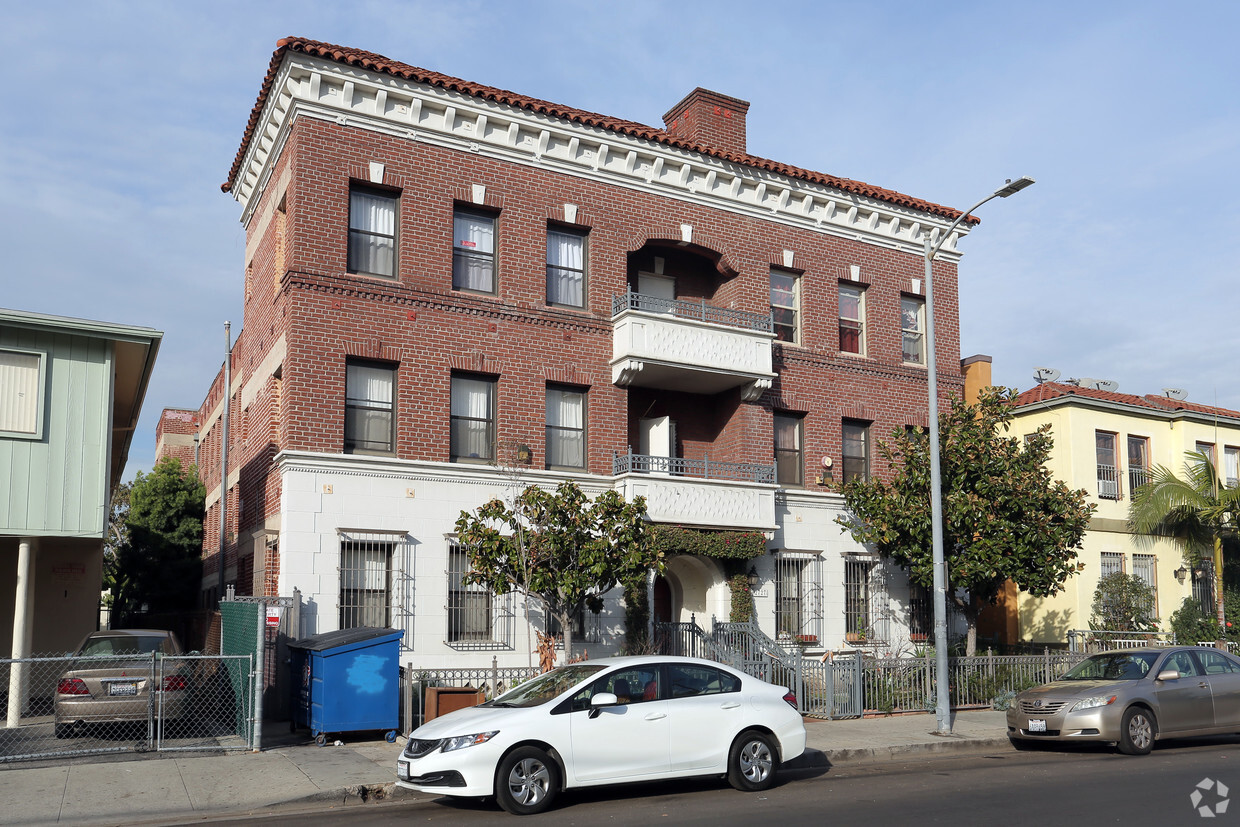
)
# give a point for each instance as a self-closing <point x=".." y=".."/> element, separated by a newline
<point x="566" y="626"/>
<point x="1218" y="586"/>
<point x="971" y="612"/>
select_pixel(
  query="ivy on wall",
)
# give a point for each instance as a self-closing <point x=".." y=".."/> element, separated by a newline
<point x="742" y="598"/>
<point x="726" y="545"/>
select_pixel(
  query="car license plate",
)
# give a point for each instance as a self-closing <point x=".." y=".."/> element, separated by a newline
<point x="123" y="688"/>
<point x="1037" y="725"/>
<point x="402" y="770"/>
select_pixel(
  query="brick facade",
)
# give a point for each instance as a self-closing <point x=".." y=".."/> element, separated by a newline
<point x="306" y="316"/>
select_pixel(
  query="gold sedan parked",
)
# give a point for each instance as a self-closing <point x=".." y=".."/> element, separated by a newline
<point x="1132" y="698"/>
<point x="111" y="677"/>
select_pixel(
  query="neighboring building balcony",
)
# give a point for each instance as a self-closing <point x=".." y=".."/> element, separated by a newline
<point x="699" y="492"/>
<point x="692" y="346"/>
<point x="1108" y="482"/>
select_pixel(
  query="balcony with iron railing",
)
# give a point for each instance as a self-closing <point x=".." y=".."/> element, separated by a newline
<point x="1137" y="477"/>
<point x="699" y="492"/>
<point x="676" y="344"/>
<point x="1108" y="482"/>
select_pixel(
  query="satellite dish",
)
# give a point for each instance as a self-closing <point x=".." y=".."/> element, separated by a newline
<point x="1081" y="382"/>
<point x="1176" y="393"/>
<point x="1107" y="385"/>
<point x="1045" y="374"/>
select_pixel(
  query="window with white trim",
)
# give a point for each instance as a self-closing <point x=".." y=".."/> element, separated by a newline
<point x="856" y="450"/>
<point x="473" y="419"/>
<point x="1138" y="462"/>
<point x="785" y="305"/>
<point x="1231" y="466"/>
<point x="1108" y="465"/>
<point x="473" y="251"/>
<point x="566" y="268"/>
<point x="789" y="456"/>
<point x="372" y="232"/>
<point x="566" y="427"/>
<point x="21" y="393"/>
<point x="1112" y="562"/>
<point x="1145" y="569"/>
<point x="369" y="410"/>
<point x="859" y="620"/>
<point x="852" y="320"/>
<point x="913" y="329"/>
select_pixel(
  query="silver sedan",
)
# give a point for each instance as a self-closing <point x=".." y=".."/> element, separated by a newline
<point x="1132" y="698"/>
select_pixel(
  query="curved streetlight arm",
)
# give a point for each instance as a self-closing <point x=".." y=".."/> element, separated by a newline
<point x="942" y="711"/>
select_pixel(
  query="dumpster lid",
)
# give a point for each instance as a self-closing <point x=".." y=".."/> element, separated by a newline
<point x="344" y="637"/>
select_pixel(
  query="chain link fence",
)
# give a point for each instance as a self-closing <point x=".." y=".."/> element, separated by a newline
<point x="64" y="705"/>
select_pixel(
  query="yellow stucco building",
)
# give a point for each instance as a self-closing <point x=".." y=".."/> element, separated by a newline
<point x="1106" y="442"/>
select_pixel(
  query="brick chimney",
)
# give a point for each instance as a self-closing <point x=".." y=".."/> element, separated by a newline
<point x="710" y="119"/>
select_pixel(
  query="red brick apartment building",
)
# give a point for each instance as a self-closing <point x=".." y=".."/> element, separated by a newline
<point x="452" y="290"/>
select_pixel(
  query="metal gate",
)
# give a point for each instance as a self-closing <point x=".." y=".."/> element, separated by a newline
<point x="72" y="705"/>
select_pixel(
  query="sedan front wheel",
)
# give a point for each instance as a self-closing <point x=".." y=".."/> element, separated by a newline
<point x="526" y="781"/>
<point x="1136" y="735"/>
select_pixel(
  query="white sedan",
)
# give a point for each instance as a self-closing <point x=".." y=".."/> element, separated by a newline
<point x="607" y="721"/>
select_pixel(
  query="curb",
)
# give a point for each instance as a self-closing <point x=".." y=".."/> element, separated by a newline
<point x="892" y="753"/>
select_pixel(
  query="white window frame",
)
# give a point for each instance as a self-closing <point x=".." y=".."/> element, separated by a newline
<point x="794" y="307"/>
<point x="498" y="608"/>
<point x="465" y="250"/>
<point x="913" y="309"/>
<point x="561" y="275"/>
<point x="359" y="577"/>
<point x="858" y="322"/>
<point x="16" y="382"/>
<point x="1108" y="473"/>
<point x="801" y="612"/>
<point x="1231" y="466"/>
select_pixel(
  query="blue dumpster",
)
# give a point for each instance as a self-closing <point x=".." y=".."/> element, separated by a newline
<point x="346" y="681"/>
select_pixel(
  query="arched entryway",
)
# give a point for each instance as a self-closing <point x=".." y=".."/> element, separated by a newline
<point x="693" y="588"/>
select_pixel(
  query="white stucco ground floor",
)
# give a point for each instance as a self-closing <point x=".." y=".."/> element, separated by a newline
<point x="370" y="541"/>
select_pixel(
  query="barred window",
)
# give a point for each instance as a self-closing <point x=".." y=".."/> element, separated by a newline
<point x="1112" y="563"/>
<point x="365" y="582"/>
<point x="920" y="613"/>
<point x="859" y="620"/>
<point x="798" y="596"/>
<point x="476" y="617"/>
<point x="1144" y="568"/>
<point x="586" y="627"/>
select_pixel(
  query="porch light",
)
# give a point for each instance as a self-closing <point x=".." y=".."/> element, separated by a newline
<point x="1180" y="574"/>
<point x="753" y="578"/>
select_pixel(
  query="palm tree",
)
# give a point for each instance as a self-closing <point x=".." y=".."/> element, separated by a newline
<point x="1195" y="510"/>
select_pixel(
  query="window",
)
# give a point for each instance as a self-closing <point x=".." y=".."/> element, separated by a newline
<point x="1138" y="462"/>
<point x="920" y="613"/>
<point x="852" y="320"/>
<point x="1216" y="663"/>
<point x="473" y="252"/>
<point x="469" y="606"/>
<point x="689" y="680"/>
<point x="913" y="329"/>
<point x="1207" y="448"/>
<point x="1112" y="563"/>
<point x="856" y="451"/>
<point x="798" y="597"/>
<point x="473" y="419"/>
<point x="368" y="408"/>
<point x="1231" y="466"/>
<point x="21" y="393"/>
<point x="789" y="460"/>
<point x="1203" y="588"/>
<point x="586" y="627"/>
<point x="1144" y="568"/>
<point x="372" y="232"/>
<point x="566" y="428"/>
<point x="858" y="620"/>
<point x="785" y="304"/>
<point x="630" y="686"/>
<point x="1108" y="472"/>
<point x="566" y="268"/>
<point x="365" y="583"/>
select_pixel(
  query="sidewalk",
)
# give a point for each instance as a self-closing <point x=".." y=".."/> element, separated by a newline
<point x="167" y="788"/>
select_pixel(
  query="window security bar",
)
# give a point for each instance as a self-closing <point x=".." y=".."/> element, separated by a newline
<point x="696" y="310"/>
<point x="1108" y="482"/>
<point x="630" y="463"/>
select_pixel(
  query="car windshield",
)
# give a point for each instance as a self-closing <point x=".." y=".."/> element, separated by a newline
<point x="122" y="645"/>
<point x="547" y="686"/>
<point x="1116" y="666"/>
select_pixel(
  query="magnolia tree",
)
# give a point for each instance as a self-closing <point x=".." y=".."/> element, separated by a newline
<point x="558" y="547"/>
<point x="1004" y="516"/>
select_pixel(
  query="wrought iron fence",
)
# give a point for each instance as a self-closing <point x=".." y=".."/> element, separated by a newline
<point x="415" y="681"/>
<point x="694" y="310"/>
<point x="630" y="463"/>
<point x="62" y="705"/>
<point x="908" y="684"/>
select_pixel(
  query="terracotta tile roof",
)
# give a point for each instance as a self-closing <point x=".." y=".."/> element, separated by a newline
<point x="1054" y="390"/>
<point x="381" y="64"/>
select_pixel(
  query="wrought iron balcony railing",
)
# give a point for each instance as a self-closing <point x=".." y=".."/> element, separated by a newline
<point x="1108" y="482"/>
<point x="709" y="469"/>
<point x="693" y="310"/>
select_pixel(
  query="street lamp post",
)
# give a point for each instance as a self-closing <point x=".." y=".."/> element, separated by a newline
<point x="942" y="704"/>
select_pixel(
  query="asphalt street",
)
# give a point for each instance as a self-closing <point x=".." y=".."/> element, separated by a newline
<point x="1081" y="786"/>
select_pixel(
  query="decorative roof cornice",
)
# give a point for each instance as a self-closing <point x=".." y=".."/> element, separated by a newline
<point x="307" y="79"/>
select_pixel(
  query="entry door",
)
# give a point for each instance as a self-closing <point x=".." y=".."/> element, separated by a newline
<point x="657" y="439"/>
<point x="657" y="287"/>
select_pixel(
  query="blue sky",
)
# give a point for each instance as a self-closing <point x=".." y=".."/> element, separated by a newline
<point x="123" y="120"/>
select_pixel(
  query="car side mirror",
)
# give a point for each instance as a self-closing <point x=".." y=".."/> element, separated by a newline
<point x="1168" y="675"/>
<point x="600" y="700"/>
